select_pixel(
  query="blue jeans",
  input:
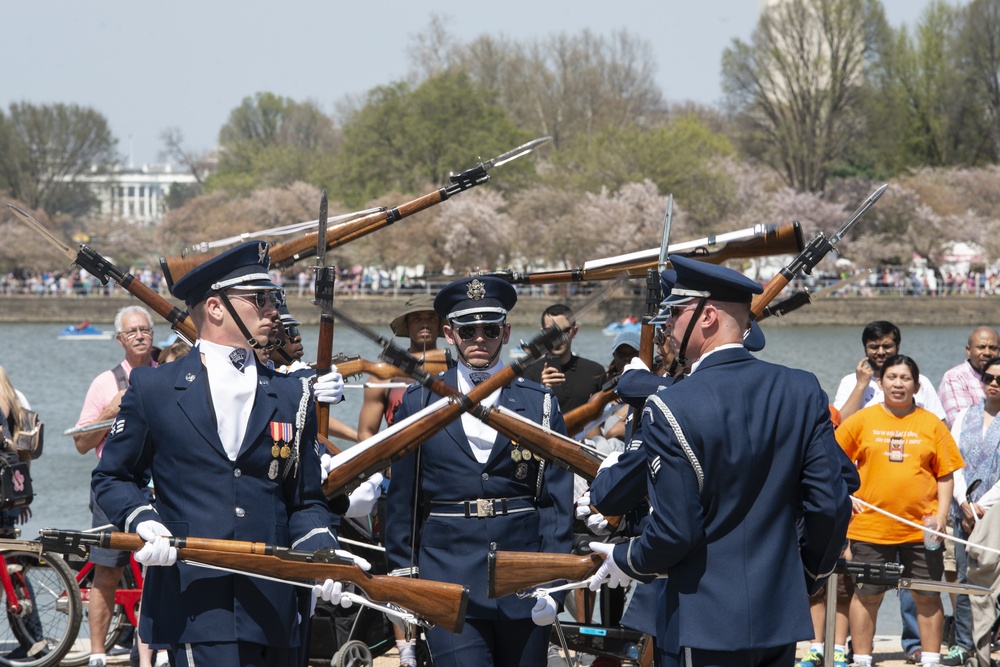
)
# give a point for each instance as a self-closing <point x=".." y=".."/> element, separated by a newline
<point x="910" y="638"/>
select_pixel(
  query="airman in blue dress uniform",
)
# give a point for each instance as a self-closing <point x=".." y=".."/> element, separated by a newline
<point x="732" y="461"/>
<point x="232" y="445"/>
<point x="470" y="491"/>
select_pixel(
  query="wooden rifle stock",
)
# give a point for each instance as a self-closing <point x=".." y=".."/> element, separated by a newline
<point x="510" y="572"/>
<point x="440" y="603"/>
<point x="433" y="362"/>
<point x="564" y="452"/>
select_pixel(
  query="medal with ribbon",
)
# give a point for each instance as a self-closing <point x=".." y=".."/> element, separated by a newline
<point x="281" y="434"/>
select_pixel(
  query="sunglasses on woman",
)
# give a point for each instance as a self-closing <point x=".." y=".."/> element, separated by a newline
<point x="490" y="331"/>
<point x="990" y="379"/>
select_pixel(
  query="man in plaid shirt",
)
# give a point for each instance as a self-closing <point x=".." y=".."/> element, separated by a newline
<point x="962" y="385"/>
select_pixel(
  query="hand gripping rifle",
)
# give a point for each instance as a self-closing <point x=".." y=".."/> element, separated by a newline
<point x="102" y="268"/>
<point x="436" y="602"/>
<point x="756" y="241"/>
<point x="326" y="279"/>
<point x="381" y="450"/>
<point x="810" y="256"/>
<point x="286" y="254"/>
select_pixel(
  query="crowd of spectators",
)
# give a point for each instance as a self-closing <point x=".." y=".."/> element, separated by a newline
<point x="358" y="281"/>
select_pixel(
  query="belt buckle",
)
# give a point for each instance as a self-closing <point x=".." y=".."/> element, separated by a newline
<point x="484" y="507"/>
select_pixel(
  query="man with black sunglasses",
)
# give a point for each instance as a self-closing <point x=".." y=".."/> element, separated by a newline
<point x="232" y="444"/>
<point x="468" y="491"/>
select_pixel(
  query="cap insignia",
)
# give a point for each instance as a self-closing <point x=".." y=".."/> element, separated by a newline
<point x="261" y="252"/>
<point x="476" y="290"/>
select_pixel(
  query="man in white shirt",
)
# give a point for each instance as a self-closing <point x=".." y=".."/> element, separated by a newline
<point x="860" y="389"/>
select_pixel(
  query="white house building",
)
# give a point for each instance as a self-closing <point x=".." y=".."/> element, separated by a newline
<point x="136" y="195"/>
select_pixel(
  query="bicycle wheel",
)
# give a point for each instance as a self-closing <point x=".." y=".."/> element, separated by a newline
<point x="79" y="653"/>
<point x="43" y="629"/>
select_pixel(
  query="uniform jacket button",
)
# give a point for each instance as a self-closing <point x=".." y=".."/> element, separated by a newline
<point x="486" y="476"/>
<point x="240" y="512"/>
<point x="493" y="546"/>
<point x="237" y="472"/>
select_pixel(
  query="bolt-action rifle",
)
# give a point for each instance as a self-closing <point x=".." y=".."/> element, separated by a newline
<point x="436" y="602"/>
<point x="511" y="572"/>
<point x="756" y="241"/>
<point x="286" y="254"/>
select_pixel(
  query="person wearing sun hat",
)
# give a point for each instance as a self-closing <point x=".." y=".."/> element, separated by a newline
<point x="423" y="326"/>
<point x="233" y="445"/>
<point x="478" y="491"/>
<point x="736" y="454"/>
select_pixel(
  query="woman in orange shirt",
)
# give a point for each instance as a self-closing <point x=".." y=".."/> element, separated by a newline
<point x="905" y="457"/>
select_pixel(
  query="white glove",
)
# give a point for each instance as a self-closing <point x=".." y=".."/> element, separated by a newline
<point x="358" y="560"/>
<point x="596" y="523"/>
<point x="608" y="461"/>
<point x="330" y="387"/>
<point x="363" y="498"/>
<point x="545" y="610"/>
<point x="326" y="464"/>
<point x="156" y="551"/>
<point x="609" y="573"/>
<point x="332" y="591"/>
<point x="636" y="364"/>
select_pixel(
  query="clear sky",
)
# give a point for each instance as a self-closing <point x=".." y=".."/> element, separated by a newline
<point x="151" y="65"/>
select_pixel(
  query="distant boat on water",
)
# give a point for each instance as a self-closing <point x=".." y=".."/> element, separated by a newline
<point x="84" y="331"/>
<point x="628" y="324"/>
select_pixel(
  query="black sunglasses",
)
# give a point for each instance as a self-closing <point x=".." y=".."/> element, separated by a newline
<point x="262" y="298"/>
<point x="490" y="331"/>
<point x="990" y="379"/>
<point x="291" y="332"/>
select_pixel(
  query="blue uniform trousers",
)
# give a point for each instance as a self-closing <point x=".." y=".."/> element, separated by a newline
<point x="241" y="654"/>
<point x="513" y="643"/>
<point x="776" y="656"/>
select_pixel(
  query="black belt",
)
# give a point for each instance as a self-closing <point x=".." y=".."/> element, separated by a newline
<point x="483" y="507"/>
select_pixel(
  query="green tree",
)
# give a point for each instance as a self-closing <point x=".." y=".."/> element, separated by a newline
<point x="564" y="86"/>
<point x="979" y="54"/>
<point x="678" y="157"/>
<point x="272" y="141"/>
<point x="796" y="87"/>
<point x="408" y="139"/>
<point x="45" y="149"/>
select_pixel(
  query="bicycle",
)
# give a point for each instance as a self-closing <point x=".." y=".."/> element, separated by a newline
<point x="128" y="594"/>
<point x="42" y="602"/>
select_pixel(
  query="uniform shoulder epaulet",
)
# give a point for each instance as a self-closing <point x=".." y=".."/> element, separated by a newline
<point x="531" y="384"/>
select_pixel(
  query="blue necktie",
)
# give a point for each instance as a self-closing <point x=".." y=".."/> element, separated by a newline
<point x="239" y="359"/>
